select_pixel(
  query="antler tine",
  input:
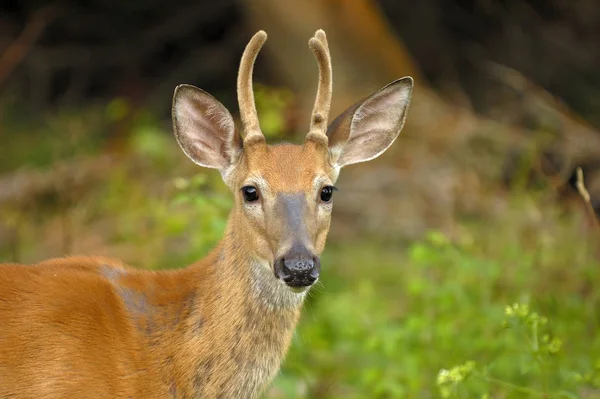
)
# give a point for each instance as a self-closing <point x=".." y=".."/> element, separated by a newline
<point x="320" y="34"/>
<point x="245" y="89"/>
<point x="318" y="45"/>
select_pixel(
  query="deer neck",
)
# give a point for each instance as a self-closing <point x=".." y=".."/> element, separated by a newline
<point x="251" y="280"/>
<point x="243" y="323"/>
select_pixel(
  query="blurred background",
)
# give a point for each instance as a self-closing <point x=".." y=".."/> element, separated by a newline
<point x="462" y="263"/>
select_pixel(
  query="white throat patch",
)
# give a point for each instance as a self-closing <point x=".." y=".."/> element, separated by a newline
<point x="272" y="293"/>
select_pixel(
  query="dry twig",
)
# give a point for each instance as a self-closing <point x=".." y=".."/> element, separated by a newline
<point x="586" y="197"/>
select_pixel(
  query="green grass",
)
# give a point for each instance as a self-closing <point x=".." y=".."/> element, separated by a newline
<point x="389" y="320"/>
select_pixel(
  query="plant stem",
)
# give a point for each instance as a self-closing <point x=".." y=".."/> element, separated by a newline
<point x="514" y="387"/>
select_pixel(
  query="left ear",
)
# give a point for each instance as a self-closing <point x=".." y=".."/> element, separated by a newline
<point x="368" y="128"/>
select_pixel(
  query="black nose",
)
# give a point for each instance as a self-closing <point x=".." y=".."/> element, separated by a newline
<point x="298" y="269"/>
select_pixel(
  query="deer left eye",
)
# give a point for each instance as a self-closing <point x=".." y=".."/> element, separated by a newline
<point x="327" y="193"/>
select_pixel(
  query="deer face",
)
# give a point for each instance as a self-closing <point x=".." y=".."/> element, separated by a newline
<point x="284" y="193"/>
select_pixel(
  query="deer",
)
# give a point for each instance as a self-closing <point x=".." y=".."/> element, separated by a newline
<point x="93" y="327"/>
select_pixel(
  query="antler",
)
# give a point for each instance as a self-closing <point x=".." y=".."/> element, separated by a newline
<point x="245" y="90"/>
<point x="320" y="113"/>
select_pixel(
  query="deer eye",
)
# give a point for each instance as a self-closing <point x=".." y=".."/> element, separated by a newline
<point x="327" y="193"/>
<point x="250" y="193"/>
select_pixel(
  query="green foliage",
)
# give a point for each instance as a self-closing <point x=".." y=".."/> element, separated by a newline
<point x="152" y="207"/>
<point x="550" y="378"/>
<point x="172" y="230"/>
<point x="149" y="140"/>
<point x="390" y="322"/>
<point x="210" y="206"/>
<point x="271" y="104"/>
<point x="38" y="140"/>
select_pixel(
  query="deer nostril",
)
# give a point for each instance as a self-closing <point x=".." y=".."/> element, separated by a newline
<point x="314" y="273"/>
<point x="281" y="270"/>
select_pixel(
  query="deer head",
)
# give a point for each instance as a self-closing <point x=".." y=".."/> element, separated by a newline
<point x="284" y="192"/>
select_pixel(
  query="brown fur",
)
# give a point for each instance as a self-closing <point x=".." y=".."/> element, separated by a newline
<point x="90" y="327"/>
<point x="87" y="327"/>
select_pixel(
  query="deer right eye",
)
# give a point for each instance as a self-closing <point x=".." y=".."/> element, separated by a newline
<point x="250" y="193"/>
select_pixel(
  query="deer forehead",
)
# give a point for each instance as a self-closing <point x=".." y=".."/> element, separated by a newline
<point x="288" y="167"/>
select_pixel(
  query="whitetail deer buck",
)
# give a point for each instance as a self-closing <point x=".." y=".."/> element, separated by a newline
<point x="89" y="327"/>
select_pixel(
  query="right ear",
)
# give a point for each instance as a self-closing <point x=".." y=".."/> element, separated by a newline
<point x="204" y="128"/>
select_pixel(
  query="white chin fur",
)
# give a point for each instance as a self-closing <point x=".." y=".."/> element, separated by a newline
<point x="299" y="290"/>
<point x="274" y="293"/>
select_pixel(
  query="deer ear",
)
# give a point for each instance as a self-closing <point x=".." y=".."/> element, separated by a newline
<point x="365" y="130"/>
<point x="204" y="128"/>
